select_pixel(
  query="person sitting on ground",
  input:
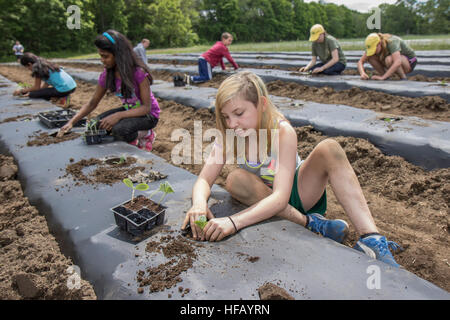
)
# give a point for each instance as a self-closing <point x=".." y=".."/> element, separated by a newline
<point x="18" y="50"/>
<point x="211" y="58"/>
<point x="328" y="49"/>
<point x="140" y="50"/>
<point x="388" y="54"/>
<point x="46" y="74"/>
<point x="279" y="183"/>
<point x="130" y="79"/>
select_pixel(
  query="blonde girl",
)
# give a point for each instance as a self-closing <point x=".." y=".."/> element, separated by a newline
<point x="388" y="54"/>
<point x="280" y="183"/>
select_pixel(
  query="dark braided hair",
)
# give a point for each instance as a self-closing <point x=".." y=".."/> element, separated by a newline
<point x="126" y="62"/>
<point x="40" y="66"/>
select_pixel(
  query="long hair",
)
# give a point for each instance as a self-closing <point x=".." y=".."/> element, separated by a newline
<point x="250" y="87"/>
<point x="126" y="62"/>
<point x="40" y="66"/>
<point x="384" y="39"/>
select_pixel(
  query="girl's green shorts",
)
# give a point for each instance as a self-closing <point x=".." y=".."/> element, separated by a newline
<point x="320" y="207"/>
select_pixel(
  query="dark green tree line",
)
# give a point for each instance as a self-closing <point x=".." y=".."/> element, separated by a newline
<point x="41" y="25"/>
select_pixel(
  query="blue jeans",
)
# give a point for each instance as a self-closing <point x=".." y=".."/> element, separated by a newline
<point x="334" y="70"/>
<point x="204" y="69"/>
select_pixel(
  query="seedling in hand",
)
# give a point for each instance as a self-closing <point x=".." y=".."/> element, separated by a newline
<point x="140" y="187"/>
<point x="201" y="222"/>
<point x="24" y="85"/>
<point x="163" y="187"/>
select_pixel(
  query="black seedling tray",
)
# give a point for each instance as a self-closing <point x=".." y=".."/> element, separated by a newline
<point x="95" y="137"/>
<point x="58" y="118"/>
<point x="137" y="222"/>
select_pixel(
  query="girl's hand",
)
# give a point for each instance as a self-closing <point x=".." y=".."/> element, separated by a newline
<point x="66" y="128"/>
<point x="110" y="121"/>
<point x="191" y="216"/>
<point x="365" y="76"/>
<point x="377" y="78"/>
<point x="317" y="70"/>
<point x="219" y="228"/>
<point x="302" y="69"/>
<point x="17" y="92"/>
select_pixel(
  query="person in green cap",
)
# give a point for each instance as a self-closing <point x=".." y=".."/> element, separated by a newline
<point x="388" y="54"/>
<point x="328" y="49"/>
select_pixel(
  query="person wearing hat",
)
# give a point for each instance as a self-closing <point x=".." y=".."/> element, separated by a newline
<point x="387" y="54"/>
<point x="328" y="49"/>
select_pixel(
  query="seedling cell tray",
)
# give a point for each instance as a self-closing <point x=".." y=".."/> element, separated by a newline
<point x="95" y="137"/>
<point x="58" y="118"/>
<point x="140" y="219"/>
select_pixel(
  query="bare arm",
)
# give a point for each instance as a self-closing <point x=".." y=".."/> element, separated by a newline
<point x="85" y="110"/>
<point x="202" y="190"/>
<point x="332" y="62"/>
<point x="361" y="70"/>
<point x="397" y="61"/>
<point x="309" y="65"/>
<point x="217" y="229"/>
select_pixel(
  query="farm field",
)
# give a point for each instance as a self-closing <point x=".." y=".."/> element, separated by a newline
<point x="409" y="204"/>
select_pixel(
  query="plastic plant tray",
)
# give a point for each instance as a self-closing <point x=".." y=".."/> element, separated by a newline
<point x="95" y="137"/>
<point x="58" y="118"/>
<point x="136" y="222"/>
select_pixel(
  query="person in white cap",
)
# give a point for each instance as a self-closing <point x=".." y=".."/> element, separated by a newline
<point x="328" y="49"/>
<point x="387" y="54"/>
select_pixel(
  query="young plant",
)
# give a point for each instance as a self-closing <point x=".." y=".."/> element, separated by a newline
<point x="201" y="222"/>
<point x="24" y="85"/>
<point x="140" y="187"/>
<point x="121" y="160"/>
<point x="91" y="125"/>
<point x="164" y="187"/>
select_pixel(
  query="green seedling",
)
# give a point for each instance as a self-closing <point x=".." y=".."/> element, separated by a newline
<point x="140" y="187"/>
<point x="24" y="85"/>
<point x="91" y="125"/>
<point x="442" y="83"/>
<point x="164" y="187"/>
<point x="201" y="222"/>
<point x="121" y="160"/>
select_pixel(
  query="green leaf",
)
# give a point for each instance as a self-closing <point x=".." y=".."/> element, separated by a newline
<point x="142" y="186"/>
<point x="128" y="183"/>
<point x="201" y="222"/>
<point x="167" y="188"/>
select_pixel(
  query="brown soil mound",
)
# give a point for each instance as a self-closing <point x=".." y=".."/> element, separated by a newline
<point x="270" y="291"/>
<point x="45" y="139"/>
<point x="31" y="263"/>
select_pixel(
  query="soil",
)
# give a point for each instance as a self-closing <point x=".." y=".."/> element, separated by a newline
<point x="167" y="275"/>
<point x="409" y="204"/>
<point x="106" y="172"/>
<point x="31" y="263"/>
<point x="45" y="139"/>
<point x="270" y="291"/>
<point x="141" y="201"/>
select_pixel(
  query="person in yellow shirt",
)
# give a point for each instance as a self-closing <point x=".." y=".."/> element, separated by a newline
<point x="388" y="54"/>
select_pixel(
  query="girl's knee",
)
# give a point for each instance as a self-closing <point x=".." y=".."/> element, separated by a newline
<point x="388" y="61"/>
<point x="232" y="182"/>
<point x="331" y="149"/>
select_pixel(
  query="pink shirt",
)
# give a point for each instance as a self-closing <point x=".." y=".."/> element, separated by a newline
<point x="215" y="55"/>
<point x="139" y="76"/>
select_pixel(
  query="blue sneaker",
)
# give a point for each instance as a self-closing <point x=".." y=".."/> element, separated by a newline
<point x="333" y="229"/>
<point x="377" y="247"/>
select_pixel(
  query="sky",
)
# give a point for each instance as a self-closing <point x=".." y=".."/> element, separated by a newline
<point x="359" y="5"/>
